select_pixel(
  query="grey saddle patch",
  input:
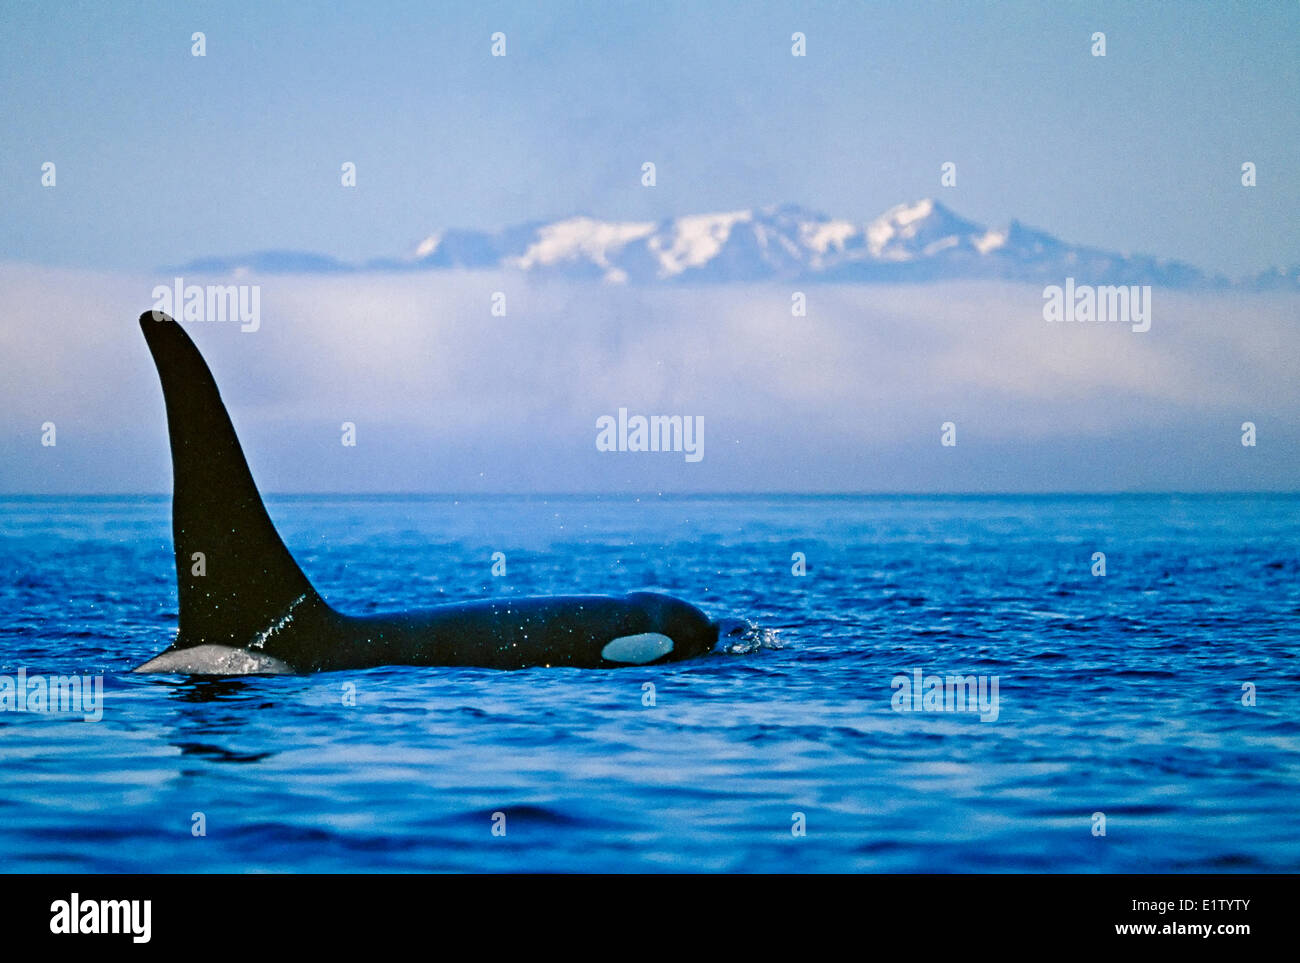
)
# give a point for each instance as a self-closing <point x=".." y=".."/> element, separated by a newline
<point x="637" y="649"/>
<point x="216" y="660"/>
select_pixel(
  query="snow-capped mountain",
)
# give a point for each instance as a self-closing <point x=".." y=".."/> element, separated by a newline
<point x="919" y="242"/>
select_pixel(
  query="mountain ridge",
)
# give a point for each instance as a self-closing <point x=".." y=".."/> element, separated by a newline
<point x="920" y="242"/>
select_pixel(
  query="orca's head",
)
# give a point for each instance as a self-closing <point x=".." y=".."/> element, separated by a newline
<point x="689" y="629"/>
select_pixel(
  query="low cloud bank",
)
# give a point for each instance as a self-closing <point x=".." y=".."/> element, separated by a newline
<point x="448" y="396"/>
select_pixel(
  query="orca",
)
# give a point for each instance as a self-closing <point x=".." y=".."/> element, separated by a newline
<point x="253" y="611"/>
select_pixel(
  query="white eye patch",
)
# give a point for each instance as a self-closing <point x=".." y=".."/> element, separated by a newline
<point x="637" y="649"/>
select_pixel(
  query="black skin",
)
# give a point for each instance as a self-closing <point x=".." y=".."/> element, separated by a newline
<point x="500" y="634"/>
<point x="254" y="596"/>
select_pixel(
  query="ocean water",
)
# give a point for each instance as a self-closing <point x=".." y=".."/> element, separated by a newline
<point x="1120" y="695"/>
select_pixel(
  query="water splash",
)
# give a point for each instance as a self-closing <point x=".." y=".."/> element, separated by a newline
<point x="741" y="637"/>
<point x="278" y="625"/>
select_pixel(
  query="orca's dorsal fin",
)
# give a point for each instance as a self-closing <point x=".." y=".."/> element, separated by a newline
<point x="249" y="582"/>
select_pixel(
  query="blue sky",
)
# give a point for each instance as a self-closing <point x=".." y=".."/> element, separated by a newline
<point x="163" y="157"/>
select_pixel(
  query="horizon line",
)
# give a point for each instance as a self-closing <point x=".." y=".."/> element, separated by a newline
<point x="882" y="493"/>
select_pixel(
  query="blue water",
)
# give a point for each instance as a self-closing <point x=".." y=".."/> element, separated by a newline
<point x="1119" y="694"/>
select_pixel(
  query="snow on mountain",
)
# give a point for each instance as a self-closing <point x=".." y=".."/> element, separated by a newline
<point x="924" y="229"/>
<point x="919" y="242"/>
<point x="581" y="241"/>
